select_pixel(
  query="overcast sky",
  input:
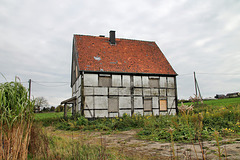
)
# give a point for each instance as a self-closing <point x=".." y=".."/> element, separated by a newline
<point x="201" y="36"/>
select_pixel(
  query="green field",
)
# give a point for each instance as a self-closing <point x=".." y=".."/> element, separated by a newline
<point x="215" y="103"/>
<point x="219" y="102"/>
<point x="46" y="115"/>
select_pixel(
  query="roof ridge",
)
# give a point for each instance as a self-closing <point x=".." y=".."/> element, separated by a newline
<point x="116" y="38"/>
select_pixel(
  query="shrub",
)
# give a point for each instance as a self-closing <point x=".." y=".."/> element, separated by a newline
<point x="82" y="121"/>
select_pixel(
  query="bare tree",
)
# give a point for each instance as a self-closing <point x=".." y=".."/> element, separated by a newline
<point x="41" y="102"/>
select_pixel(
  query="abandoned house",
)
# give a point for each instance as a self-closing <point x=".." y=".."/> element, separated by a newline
<point x="111" y="76"/>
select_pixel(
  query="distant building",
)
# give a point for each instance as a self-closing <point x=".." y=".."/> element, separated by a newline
<point x="113" y="76"/>
<point x="232" y="95"/>
<point x="36" y="109"/>
<point x="220" y="96"/>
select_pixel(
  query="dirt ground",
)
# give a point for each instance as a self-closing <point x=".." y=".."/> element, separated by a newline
<point x="127" y="142"/>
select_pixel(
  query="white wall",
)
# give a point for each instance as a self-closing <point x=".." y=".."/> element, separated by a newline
<point x="96" y="97"/>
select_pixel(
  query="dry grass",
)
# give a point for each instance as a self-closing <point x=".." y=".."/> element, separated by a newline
<point x="16" y="112"/>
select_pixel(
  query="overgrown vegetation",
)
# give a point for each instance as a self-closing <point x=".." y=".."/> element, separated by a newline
<point x="44" y="145"/>
<point x="16" y="118"/>
<point x="224" y="119"/>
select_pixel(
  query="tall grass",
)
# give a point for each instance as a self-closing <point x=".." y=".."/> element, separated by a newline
<point x="16" y="118"/>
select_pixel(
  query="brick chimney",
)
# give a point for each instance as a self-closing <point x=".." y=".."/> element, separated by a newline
<point x="112" y="37"/>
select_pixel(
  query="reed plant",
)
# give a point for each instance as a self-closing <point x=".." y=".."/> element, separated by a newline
<point x="16" y="118"/>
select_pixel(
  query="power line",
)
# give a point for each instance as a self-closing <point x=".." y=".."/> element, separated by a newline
<point x="49" y="82"/>
<point x="225" y="74"/>
<point x="187" y="74"/>
<point x="48" y="85"/>
<point x="220" y="74"/>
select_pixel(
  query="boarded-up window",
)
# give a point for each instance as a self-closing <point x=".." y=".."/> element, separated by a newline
<point x="163" y="105"/>
<point x="147" y="104"/>
<point x="113" y="104"/>
<point x="105" y="80"/>
<point x="154" y="82"/>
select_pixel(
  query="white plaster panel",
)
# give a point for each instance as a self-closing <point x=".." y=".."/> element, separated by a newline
<point x="137" y="91"/>
<point x="164" y="113"/>
<point x="101" y="102"/>
<point x="78" y="106"/>
<point x="101" y="113"/>
<point x="146" y="92"/>
<point x="138" y="102"/>
<point x="76" y="88"/>
<point x="113" y="115"/>
<point x="90" y="80"/>
<point x="121" y="112"/>
<point x="78" y="94"/>
<point x="147" y="113"/>
<point x="79" y="90"/>
<point x="170" y="82"/>
<point x="79" y="100"/>
<point x="145" y="81"/>
<point x="113" y="91"/>
<point x="137" y="81"/>
<point x="126" y="81"/>
<point x="124" y="102"/>
<point x="163" y="92"/>
<point x="171" y="102"/>
<point x="79" y="81"/>
<point x="100" y="91"/>
<point x="73" y="89"/>
<point x="138" y="111"/>
<point x="88" y="113"/>
<point x="155" y="102"/>
<point x="155" y="112"/>
<point x="116" y="80"/>
<point x="154" y="92"/>
<point x="88" y="91"/>
<point x="170" y="92"/>
<point x="73" y="94"/>
<point x="124" y="91"/>
<point x="163" y="82"/>
<point x="88" y="102"/>
<point x="172" y="111"/>
<point x="76" y="84"/>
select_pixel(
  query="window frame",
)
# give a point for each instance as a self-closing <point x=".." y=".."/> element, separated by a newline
<point x="146" y="108"/>
<point x="110" y="110"/>
<point x="102" y="77"/>
<point x="151" y="80"/>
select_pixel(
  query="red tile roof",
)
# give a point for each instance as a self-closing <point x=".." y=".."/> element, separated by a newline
<point x="131" y="56"/>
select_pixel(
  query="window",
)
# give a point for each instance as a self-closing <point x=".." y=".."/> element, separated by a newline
<point x="105" y="80"/>
<point x="147" y="104"/>
<point x="154" y="82"/>
<point x="113" y="104"/>
<point x="163" y="105"/>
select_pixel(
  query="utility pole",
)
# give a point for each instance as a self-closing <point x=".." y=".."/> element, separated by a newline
<point x="195" y="83"/>
<point x="197" y="89"/>
<point x="30" y="84"/>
